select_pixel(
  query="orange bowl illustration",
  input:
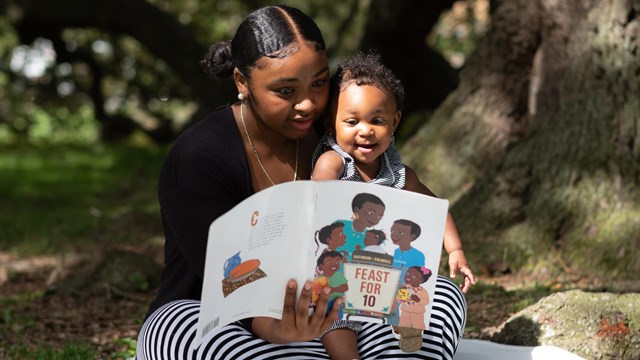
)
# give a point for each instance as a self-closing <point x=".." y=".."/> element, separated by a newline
<point x="244" y="270"/>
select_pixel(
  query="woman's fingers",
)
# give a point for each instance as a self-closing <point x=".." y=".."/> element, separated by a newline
<point x="296" y="323"/>
<point x="321" y="306"/>
<point x="302" y="310"/>
<point x="288" y="310"/>
<point x="321" y="318"/>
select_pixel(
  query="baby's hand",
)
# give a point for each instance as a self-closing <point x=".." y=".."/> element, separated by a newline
<point x="457" y="261"/>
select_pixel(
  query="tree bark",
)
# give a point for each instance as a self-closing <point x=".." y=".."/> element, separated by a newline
<point x="539" y="146"/>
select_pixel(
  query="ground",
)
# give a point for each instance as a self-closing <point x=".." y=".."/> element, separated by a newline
<point x="101" y="318"/>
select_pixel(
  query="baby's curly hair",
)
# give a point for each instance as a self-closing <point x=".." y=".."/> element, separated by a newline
<point x="367" y="69"/>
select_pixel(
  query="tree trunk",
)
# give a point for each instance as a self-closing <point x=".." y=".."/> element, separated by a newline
<point x="539" y="146"/>
<point x="398" y="29"/>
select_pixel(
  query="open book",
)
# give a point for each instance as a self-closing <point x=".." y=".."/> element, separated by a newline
<point x="377" y="247"/>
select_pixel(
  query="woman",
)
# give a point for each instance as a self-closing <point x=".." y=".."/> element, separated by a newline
<point x="279" y="64"/>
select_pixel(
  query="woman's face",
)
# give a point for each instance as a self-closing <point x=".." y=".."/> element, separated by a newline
<point x="289" y="94"/>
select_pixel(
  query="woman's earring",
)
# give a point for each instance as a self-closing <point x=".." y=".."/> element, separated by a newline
<point x="240" y="96"/>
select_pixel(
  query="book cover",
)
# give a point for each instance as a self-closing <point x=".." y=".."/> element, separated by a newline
<point x="376" y="246"/>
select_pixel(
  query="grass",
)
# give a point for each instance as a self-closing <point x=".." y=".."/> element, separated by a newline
<point x="63" y="199"/>
<point x="490" y="303"/>
<point x="60" y="199"/>
<point x="129" y="348"/>
<point x="71" y="351"/>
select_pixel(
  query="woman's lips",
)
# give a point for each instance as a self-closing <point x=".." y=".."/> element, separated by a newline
<point x="302" y="123"/>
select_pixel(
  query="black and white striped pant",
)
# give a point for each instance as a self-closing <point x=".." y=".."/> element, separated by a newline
<point x="168" y="334"/>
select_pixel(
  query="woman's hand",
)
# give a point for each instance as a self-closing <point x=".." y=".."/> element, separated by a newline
<point x="297" y="324"/>
<point x="458" y="262"/>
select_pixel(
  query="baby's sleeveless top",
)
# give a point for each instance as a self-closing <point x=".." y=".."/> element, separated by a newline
<point x="391" y="170"/>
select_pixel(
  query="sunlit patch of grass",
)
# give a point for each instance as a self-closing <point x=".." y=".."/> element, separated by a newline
<point x="529" y="295"/>
<point x="490" y="303"/>
<point x="63" y="198"/>
<point x="515" y="299"/>
<point x="127" y="348"/>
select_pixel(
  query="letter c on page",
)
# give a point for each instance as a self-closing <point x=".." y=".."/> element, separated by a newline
<point x="254" y="218"/>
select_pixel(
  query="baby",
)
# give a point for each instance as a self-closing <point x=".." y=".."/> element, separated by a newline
<point x="365" y="108"/>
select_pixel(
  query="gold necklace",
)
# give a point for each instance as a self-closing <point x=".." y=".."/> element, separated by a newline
<point x="244" y="125"/>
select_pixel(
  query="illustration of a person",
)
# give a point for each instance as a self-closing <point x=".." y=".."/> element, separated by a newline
<point x="368" y="210"/>
<point x="329" y="263"/>
<point x="413" y="308"/>
<point x="332" y="236"/>
<point x="373" y="241"/>
<point x="403" y="232"/>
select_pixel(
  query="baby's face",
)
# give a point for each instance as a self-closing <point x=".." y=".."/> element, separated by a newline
<point x="365" y="118"/>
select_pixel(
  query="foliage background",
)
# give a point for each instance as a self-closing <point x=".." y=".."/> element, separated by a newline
<point x="91" y="96"/>
<point x="523" y="113"/>
<point x="63" y="71"/>
<point x="86" y="115"/>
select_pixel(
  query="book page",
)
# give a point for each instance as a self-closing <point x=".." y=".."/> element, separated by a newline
<point x="376" y="246"/>
<point x="384" y="257"/>
<point x="253" y="250"/>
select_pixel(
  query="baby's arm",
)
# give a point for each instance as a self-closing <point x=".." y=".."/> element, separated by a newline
<point x="328" y="167"/>
<point x="457" y="260"/>
<point x="452" y="242"/>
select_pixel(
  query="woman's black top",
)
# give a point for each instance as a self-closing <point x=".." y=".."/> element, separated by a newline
<point x="204" y="175"/>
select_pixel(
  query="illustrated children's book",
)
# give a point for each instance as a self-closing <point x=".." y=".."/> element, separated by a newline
<point x="377" y="247"/>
